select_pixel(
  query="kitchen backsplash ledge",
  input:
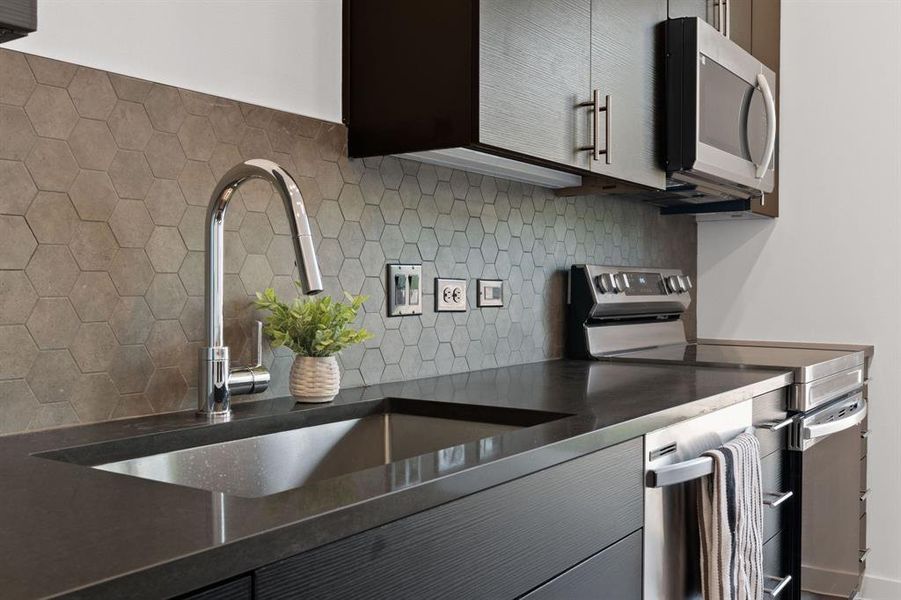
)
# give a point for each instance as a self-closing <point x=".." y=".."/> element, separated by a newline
<point x="105" y="181"/>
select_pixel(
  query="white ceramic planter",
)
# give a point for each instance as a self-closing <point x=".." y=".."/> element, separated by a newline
<point x="315" y="378"/>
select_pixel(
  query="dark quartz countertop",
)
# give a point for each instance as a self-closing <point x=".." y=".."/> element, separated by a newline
<point x="71" y="530"/>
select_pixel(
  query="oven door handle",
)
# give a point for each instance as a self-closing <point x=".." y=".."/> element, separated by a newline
<point x="812" y="432"/>
<point x="770" y="104"/>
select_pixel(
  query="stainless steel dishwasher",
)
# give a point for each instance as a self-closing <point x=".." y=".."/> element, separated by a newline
<point x="672" y="466"/>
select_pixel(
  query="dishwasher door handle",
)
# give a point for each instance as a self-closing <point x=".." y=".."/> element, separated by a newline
<point x="680" y="472"/>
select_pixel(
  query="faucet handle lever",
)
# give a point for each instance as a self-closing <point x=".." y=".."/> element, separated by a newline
<point x="256" y="359"/>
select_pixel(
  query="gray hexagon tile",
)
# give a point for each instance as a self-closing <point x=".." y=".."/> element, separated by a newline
<point x="105" y="264"/>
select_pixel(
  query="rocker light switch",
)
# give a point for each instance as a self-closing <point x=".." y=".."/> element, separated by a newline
<point x="404" y="290"/>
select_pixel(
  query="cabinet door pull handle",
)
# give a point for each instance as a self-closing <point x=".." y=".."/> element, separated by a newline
<point x="864" y="494"/>
<point x="775" y="498"/>
<point x="865" y="433"/>
<point x="777" y="425"/>
<point x="864" y="554"/>
<point x="781" y="584"/>
<point x="596" y="109"/>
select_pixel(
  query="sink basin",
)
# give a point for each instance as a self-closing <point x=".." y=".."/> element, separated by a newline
<point x="260" y="465"/>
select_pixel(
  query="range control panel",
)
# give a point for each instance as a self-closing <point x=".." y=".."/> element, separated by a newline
<point x="641" y="283"/>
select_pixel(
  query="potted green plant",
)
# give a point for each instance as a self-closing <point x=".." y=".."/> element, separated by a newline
<point x="316" y="330"/>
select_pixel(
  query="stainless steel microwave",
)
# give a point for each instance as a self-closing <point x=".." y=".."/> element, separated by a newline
<point x="720" y="114"/>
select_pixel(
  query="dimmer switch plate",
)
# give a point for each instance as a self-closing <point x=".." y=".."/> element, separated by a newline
<point x="490" y="293"/>
<point x="450" y="295"/>
<point x="404" y="290"/>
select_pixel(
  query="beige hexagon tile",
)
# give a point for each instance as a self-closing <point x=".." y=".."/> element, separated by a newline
<point x="52" y="270"/>
<point x="164" y="108"/>
<point x="165" y="156"/>
<point x="130" y="174"/>
<point x="131" y="320"/>
<point x="51" y="72"/>
<point x="93" y="246"/>
<point x="165" y="202"/>
<point x="94" y="347"/>
<point x="52" y="165"/>
<point x="58" y="414"/>
<point x="54" y="376"/>
<point x="227" y="121"/>
<point x="17" y="297"/>
<point x="17" y="243"/>
<point x="51" y="112"/>
<point x="52" y="218"/>
<point x="19" y="404"/>
<point x="166" y="389"/>
<point x="17" y="352"/>
<point x="18" y="135"/>
<point x="92" y="93"/>
<point x="166" y="343"/>
<point x="95" y="398"/>
<point x="196" y="183"/>
<point x="131" y="224"/>
<point x="93" y="196"/>
<point x="131" y="271"/>
<point x="94" y="296"/>
<point x="166" y="296"/>
<point x="17" y="190"/>
<point x="131" y="369"/>
<point x="165" y="250"/>
<point x="92" y="144"/>
<point x="16" y="80"/>
<point x="130" y="125"/>
<point x="53" y="323"/>
<point x="130" y="88"/>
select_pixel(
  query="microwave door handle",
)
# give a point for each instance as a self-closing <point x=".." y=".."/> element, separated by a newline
<point x="812" y="432"/>
<point x="770" y="104"/>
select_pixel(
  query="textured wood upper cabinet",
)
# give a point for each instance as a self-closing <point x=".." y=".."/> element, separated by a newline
<point x="534" y="67"/>
<point x="626" y="67"/>
<point x="507" y="78"/>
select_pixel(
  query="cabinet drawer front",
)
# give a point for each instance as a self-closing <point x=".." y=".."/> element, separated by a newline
<point x="770" y="408"/>
<point x="236" y="589"/>
<point x="774" y="483"/>
<point x="615" y="571"/>
<point x="499" y="543"/>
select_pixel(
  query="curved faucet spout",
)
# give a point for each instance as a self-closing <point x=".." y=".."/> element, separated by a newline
<point x="213" y="387"/>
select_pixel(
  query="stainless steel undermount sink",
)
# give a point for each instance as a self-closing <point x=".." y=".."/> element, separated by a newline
<point x="275" y="461"/>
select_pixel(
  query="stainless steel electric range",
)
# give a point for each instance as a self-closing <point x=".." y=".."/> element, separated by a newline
<point x="634" y="314"/>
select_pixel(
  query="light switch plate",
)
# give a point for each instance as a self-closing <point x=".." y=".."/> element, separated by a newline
<point x="404" y="290"/>
<point x="490" y="293"/>
<point x="450" y="295"/>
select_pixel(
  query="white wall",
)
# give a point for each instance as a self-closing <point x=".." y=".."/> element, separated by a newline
<point x="829" y="269"/>
<point x="284" y="54"/>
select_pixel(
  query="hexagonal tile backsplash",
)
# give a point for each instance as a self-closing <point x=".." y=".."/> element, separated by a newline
<point x="104" y="180"/>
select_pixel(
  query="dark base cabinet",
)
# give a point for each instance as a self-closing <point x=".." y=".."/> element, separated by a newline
<point x="240" y="588"/>
<point x="503" y="542"/>
<point x="610" y="573"/>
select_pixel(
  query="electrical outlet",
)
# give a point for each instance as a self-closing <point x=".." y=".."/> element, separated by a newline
<point x="450" y="295"/>
<point x="490" y="293"/>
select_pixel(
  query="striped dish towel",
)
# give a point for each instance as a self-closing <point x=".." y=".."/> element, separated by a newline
<point x="730" y="505"/>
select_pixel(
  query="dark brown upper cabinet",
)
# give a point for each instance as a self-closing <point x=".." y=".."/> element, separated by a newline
<point x="567" y="85"/>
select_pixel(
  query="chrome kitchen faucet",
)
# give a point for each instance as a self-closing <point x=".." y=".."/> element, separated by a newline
<point x="217" y="379"/>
